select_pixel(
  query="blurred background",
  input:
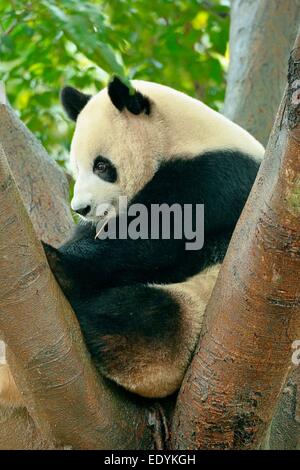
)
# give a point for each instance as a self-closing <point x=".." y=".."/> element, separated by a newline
<point x="45" y="45"/>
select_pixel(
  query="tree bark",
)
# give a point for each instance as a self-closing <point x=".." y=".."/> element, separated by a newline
<point x="44" y="189"/>
<point x="244" y="356"/>
<point x="43" y="185"/>
<point x="284" y="432"/>
<point x="50" y="363"/>
<point x="18" y="431"/>
<point x="261" y="36"/>
<point x="255" y="81"/>
<point x="69" y="404"/>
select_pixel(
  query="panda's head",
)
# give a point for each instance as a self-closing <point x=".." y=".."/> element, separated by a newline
<point x="121" y="137"/>
<point x="116" y="146"/>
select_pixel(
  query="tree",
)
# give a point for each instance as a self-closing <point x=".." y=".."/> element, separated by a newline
<point x="261" y="36"/>
<point x="231" y="390"/>
<point x="256" y="81"/>
<point x="38" y="364"/>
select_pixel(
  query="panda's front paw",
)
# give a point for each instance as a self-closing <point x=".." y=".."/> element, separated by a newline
<point x="58" y="266"/>
<point x="52" y="255"/>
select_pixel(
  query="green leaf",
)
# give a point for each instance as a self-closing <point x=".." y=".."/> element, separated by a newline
<point x="45" y="44"/>
<point x="78" y="29"/>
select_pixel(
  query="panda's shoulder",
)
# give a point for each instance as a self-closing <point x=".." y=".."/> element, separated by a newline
<point x="186" y="178"/>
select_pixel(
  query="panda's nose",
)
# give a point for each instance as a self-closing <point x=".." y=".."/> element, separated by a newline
<point x="83" y="210"/>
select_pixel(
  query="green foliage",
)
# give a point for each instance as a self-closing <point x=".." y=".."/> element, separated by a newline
<point x="45" y="44"/>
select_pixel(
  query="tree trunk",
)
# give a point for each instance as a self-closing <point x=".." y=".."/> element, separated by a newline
<point x="244" y="356"/>
<point x="284" y="432"/>
<point x="44" y="189"/>
<point x="230" y="391"/>
<point x="261" y="36"/>
<point x="69" y="405"/>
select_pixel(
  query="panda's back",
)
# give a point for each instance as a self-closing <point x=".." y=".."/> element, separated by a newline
<point x="197" y="128"/>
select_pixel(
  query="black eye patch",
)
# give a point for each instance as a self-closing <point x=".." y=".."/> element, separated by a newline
<point x="103" y="168"/>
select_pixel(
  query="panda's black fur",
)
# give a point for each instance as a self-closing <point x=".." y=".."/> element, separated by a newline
<point x="219" y="180"/>
<point x="106" y="281"/>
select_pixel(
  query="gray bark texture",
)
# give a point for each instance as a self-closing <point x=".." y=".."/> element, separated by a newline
<point x="262" y="33"/>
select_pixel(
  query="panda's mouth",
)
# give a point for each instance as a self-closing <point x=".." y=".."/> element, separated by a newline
<point x="100" y="213"/>
<point x="103" y="216"/>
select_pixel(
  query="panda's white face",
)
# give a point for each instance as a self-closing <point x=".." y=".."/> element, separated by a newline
<point x="113" y="153"/>
<point x="120" y="139"/>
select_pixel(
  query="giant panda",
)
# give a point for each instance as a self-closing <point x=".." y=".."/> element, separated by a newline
<point x="140" y="302"/>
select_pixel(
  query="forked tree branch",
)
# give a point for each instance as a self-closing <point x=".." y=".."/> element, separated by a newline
<point x="231" y="389"/>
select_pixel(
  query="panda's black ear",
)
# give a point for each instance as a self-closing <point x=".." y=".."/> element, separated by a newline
<point x="73" y="101"/>
<point x="121" y="98"/>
